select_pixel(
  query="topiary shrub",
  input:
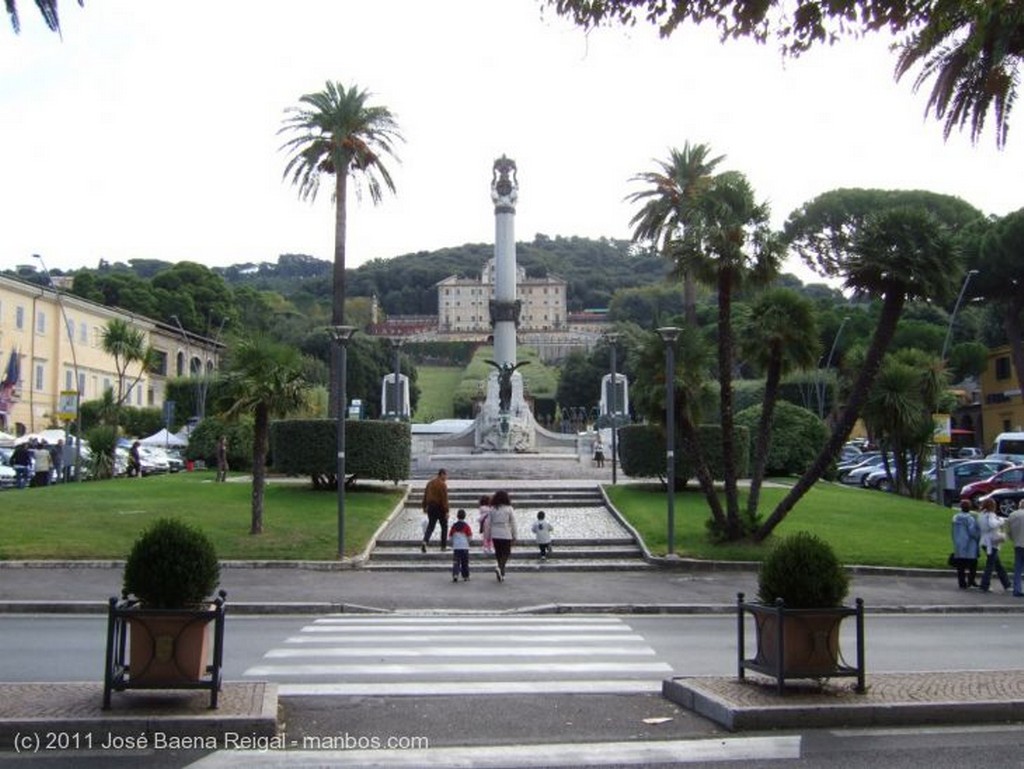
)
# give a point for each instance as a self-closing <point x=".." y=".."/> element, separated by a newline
<point x="171" y="566"/>
<point x="804" y="572"/>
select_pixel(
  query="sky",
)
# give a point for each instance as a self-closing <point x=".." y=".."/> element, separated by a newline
<point x="150" y="130"/>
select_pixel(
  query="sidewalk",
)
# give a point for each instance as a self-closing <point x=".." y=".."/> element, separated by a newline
<point x="667" y="585"/>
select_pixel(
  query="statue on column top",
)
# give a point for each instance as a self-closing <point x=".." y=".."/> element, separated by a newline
<point x="504" y="183"/>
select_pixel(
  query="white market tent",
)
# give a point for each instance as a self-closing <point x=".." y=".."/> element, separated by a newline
<point x="164" y="438"/>
<point x="6" y="439"/>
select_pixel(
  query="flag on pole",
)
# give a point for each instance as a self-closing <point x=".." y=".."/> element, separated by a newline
<point x="9" y="383"/>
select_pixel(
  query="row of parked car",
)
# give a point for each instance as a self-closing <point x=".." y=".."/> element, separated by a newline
<point x="153" y="459"/>
<point x="964" y="478"/>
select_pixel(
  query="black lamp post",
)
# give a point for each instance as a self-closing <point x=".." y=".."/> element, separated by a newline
<point x="669" y="335"/>
<point x="78" y="382"/>
<point x="341" y="336"/>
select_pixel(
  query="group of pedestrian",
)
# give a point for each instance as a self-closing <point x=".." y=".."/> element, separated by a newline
<point x="496" y="523"/>
<point x="37" y="463"/>
<point x="984" y="532"/>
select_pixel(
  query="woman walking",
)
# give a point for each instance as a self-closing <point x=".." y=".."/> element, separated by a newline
<point x="965" y="546"/>
<point x="990" y="526"/>
<point x="500" y="528"/>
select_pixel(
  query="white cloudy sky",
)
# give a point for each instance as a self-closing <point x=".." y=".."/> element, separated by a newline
<point x="151" y="129"/>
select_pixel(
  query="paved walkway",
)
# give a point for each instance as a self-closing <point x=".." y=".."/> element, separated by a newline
<point x="673" y="585"/>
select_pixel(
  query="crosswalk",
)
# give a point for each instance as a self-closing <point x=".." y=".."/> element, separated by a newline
<point x="462" y="655"/>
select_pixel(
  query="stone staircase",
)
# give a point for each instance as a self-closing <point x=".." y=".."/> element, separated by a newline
<point x="587" y="535"/>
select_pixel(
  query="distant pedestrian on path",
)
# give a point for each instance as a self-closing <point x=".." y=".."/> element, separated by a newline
<point x="222" y="459"/>
<point x="599" y="451"/>
<point x="990" y="526"/>
<point x="44" y="465"/>
<point x="460" y="534"/>
<point x="965" y="546"/>
<point x="501" y="529"/>
<point x="483" y="511"/>
<point x="135" y="461"/>
<point x="435" y="505"/>
<point x="542" y="531"/>
<point x="1015" y="526"/>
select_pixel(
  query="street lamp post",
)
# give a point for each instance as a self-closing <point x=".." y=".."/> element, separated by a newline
<point x="612" y="338"/>
<point x="341" y="336"/>
<point x="669" y="335"/>
<point x="74" y="363"/>
<point x="940" y="484"/>
<point x="828" y="365"/>
<point x="396" y="400"/>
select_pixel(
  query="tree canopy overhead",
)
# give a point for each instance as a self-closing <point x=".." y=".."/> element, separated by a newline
<point x="971" y="50"/>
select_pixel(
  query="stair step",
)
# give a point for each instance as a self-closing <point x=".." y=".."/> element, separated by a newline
<point x="486" y="570"/>
<point x="523" y="553"/>
<point x="563" y="544"/>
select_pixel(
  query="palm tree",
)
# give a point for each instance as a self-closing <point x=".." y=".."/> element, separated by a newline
<point x="127" y="345"/>
<point x="781" y="336"/>
<point x="973" y="52"/>
<point x="262" y="377"/>
<point x="897" y="253"/>
<point x="48" y="8"/>
<point x="336" y="132"/>
<point x="729" y="243"/>
<point x="667" y="212"/>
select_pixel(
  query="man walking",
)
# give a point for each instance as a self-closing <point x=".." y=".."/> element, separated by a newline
<point x="435" y="505"/>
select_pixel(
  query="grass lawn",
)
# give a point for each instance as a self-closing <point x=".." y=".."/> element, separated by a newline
<point x="864" y="527"/>
<point x="436" y="383"/>
<point x="102" y="519"/>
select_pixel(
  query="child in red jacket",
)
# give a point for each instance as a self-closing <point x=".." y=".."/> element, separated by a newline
<point x="460" y="534"/>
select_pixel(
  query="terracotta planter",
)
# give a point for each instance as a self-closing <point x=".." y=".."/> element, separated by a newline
<point x="810" y="641"/>
<point x="168" y="647"/>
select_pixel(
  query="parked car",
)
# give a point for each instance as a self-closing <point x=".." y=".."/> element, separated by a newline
<point x="881" y="479"/>
<point x="153" y="460"/>
<point x="1007" y="500"/>
<point x="1010" y="478"/>
<point x="8" y="478"/>
<point x="969" y="452"/>
<point x="868" y="458"/>
<point x="856" y="476"/>
<point x="962" y="472"/>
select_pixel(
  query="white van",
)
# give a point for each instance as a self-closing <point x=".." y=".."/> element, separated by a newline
<point x="1009" y="446"/>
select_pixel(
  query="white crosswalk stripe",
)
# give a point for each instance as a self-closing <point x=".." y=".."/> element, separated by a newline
<point x="460" y="655"/>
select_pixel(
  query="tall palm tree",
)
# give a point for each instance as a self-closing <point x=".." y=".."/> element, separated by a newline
<point x="973" y="51"/>
<point x="897" y="253"/>
<point x="668" y="211"/>
<point x="338" y="133"/>
<point x="781" y="336"/>
<point x="730" y="243"/>
<point x="264" y="378"/>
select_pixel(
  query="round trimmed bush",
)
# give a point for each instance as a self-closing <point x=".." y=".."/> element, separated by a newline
<point x="171" y="566"/>
<point x="804" y="572"/>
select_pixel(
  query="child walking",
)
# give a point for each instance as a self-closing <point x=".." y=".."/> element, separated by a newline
<point x="460" y="534"/>
<point x="542" y="531"/>
<point x="485" y="511"/>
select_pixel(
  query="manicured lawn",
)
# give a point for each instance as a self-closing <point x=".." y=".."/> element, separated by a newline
<point x="437" y="383"/>
<point x="864" y="527"/>
<point x="101" y="519"/>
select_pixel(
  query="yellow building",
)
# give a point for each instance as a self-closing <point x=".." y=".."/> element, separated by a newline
<point x="1002" y="408"/>
<point x="57" y="340"/>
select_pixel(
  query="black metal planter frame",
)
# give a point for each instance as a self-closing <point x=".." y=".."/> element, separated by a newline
<point x="117" y="674"/>
<point x="777" y="670"/>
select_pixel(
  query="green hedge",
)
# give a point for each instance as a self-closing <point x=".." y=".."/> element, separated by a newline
<point x="373" y="449"/>
<point x="642" y="452"/>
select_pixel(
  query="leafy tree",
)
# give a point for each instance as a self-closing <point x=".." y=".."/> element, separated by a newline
<point x="781" y="336"/>
<point x="730" y="243"/>
<point x="967" y="360"/>
<point x="796" y="436"/>
<point x="669" y="210"/>
<point x="995" y="251"/>
<point x="884" y="244"/>
<point x="264" y="378"/>
<point x="336" y="132"/>
<point x="971" y="49"/>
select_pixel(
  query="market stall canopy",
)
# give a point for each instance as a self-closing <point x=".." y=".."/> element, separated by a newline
<point x="164" y="438"/>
